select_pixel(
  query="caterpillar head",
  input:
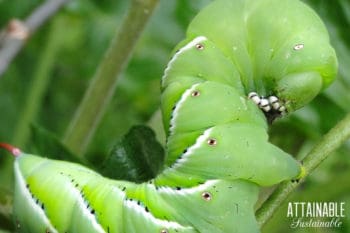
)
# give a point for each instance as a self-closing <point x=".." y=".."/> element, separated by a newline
<point x="279" y="47"/>
<point x="305" y="67"/>
<point x="301" y="73"/>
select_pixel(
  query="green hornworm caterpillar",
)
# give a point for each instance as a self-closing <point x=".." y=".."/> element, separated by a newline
<point x="243" y="61"/>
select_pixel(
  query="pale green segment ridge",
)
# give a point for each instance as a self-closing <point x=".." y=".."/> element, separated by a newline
<point x="178" y="143"/>
<point x="229" y="210"/>
<point x="104" y="197"/>
<point x="206" y="67"/>
<point x="259" y="37"/>
<point x="59" y="185"/>
<point x="215" y="104"/>
<point x="76" y="200"/>
<point x="231" y="202"/>
<point x="171" y="95"/>
<point x="177" y="210"/>
<point x="241" y="152"/>
<point x="25" y="205"/>
<point x="136" y="220"/>
<point x="192" y="66"/>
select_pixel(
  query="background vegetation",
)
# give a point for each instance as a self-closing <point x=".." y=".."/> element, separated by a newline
<point x="44" y="85"/>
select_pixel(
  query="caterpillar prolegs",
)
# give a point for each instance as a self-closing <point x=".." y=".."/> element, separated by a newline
<point x="242" y="62"/>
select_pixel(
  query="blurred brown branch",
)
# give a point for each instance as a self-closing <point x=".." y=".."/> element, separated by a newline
<point x="13" y="37"/>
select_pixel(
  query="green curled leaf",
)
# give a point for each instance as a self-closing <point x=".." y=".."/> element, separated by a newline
<point x="137" y="157"/>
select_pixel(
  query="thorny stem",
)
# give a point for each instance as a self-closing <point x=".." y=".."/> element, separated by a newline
<point x="103" y="84"/>
<point x="329" y="143"/>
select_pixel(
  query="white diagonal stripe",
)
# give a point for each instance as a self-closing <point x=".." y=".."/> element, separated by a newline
<point x="188" y="46"/>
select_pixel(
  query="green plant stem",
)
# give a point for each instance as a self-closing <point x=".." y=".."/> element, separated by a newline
<point x="38" y="86"/>
<point x="33" y="100"/>
<point x="337" y="187"/>
<point x="329" y="143"/>
<point x="103" y="84"/>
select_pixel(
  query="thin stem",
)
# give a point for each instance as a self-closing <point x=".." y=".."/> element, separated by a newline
<point x="329" y="143"/>
<point x="38" y="86"/>
<point x="33" y="100"/>
<point x="103" y="84"/>
<point x="17" y="33"/>
<point x="43" y="13"/>
<point x="337" y="186"/>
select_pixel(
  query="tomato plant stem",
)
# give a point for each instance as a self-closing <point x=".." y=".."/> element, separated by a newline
<point x="103" y="84"/>
<point x="329" y="143"/>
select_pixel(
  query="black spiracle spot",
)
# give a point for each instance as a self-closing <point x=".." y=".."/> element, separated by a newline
<point x="200" y="46"/>
<point x="206" y="196"/>
<point x="212" y="142"/>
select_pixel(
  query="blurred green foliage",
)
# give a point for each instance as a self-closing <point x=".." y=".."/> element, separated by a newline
<point x="67" y="50"/>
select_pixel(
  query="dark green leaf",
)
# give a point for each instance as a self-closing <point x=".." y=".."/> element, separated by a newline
<point x="137" y="157"/>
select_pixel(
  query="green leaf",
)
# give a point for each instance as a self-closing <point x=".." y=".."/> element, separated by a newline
<point x="137" y="157"/>
<point x="47" y="144"/>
